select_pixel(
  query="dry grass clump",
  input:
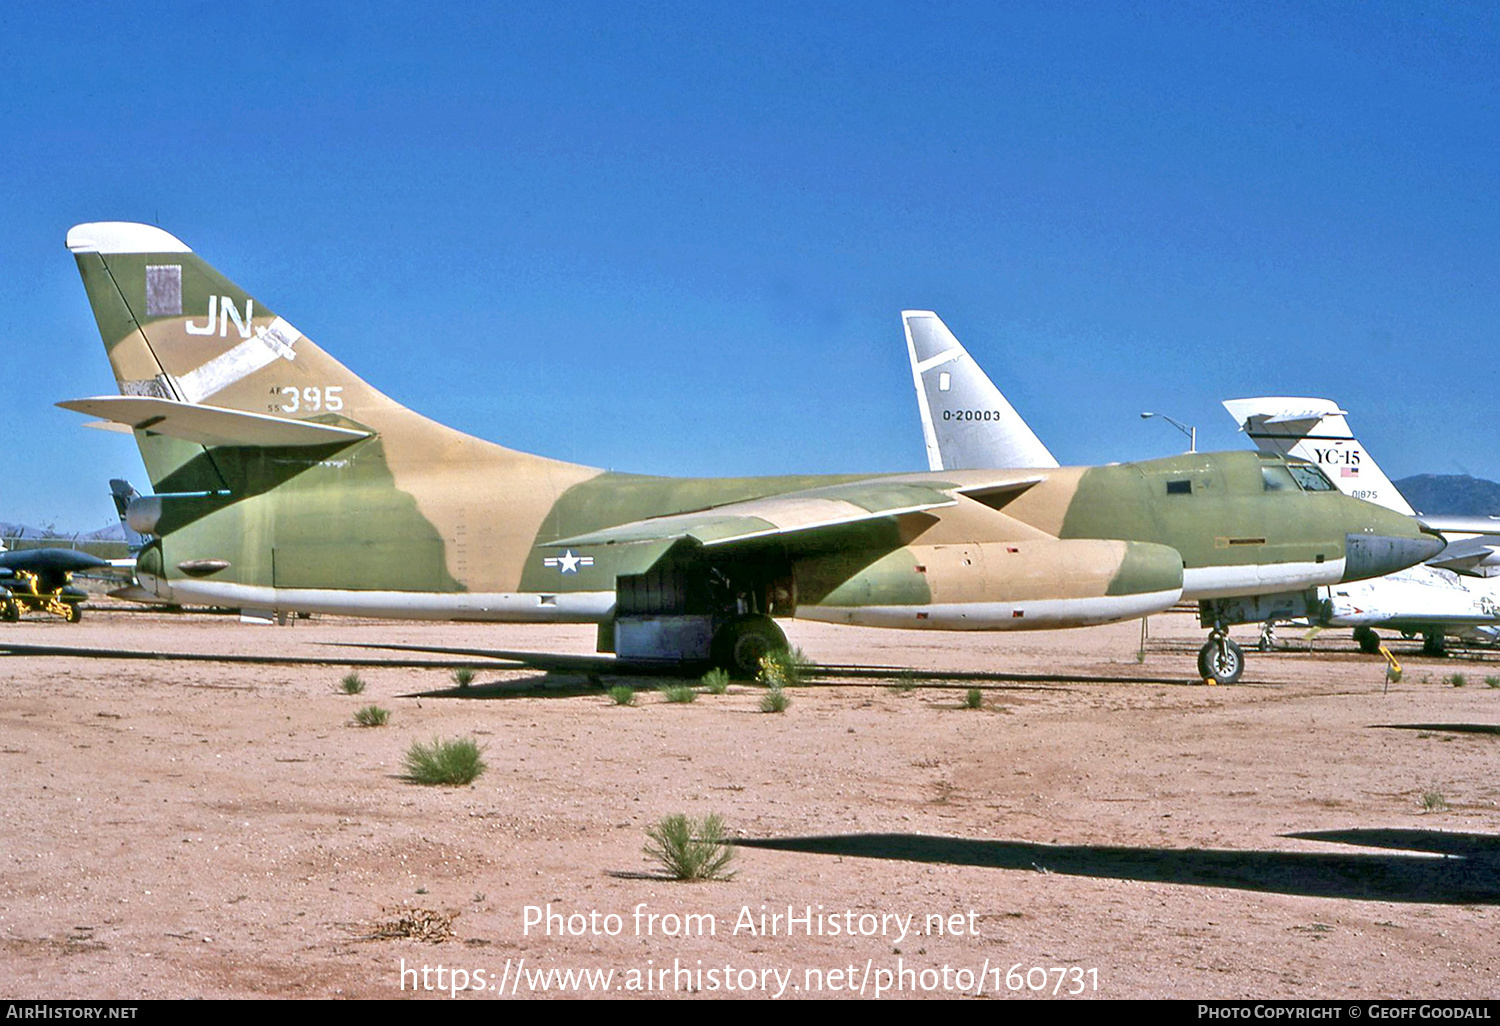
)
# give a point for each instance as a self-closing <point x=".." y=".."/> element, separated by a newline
<point x="372" y="716"/>
<point x="422" y="924"/>
<point x="453" y="763"/>
<point x="691" y="849"/>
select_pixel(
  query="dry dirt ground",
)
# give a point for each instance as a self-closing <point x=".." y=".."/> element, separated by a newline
<point x="174" y="828"/>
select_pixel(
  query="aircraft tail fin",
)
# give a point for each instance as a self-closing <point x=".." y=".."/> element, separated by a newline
<point x="177" y="329"/>
<point x="966" y="422"/>
<point x="121" y="491"/>
<point x="202" y="363"/>
<point x="1315" y="430"/>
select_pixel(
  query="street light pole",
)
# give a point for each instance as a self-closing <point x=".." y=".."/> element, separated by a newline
<point x="1191" y="432"/>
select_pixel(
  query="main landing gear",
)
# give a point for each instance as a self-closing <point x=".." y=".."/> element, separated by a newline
<point x="740" y="644"/>
<point x="1367" y="640"/>
<point x="1221" y="659"/>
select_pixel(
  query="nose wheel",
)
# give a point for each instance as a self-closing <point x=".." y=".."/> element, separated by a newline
<point x="1221" y="659"/>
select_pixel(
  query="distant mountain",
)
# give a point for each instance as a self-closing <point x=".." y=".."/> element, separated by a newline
<point x="110" y="532"/>
<point x="1458" y="494"/>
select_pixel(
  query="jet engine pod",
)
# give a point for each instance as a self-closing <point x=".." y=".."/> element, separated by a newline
<point x="1020" y="585"/>
<point x="143" y="513"/>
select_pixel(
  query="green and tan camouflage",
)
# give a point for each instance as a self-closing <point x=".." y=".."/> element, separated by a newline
<point x="284" y="482"/>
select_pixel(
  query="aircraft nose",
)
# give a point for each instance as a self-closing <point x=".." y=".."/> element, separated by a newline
<point x="1381" y="552"/>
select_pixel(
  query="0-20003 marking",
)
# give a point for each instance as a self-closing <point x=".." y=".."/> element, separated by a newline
<point x="971" y="414"/>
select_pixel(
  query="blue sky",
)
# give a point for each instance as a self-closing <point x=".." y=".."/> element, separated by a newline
<point x="676" y="238"/>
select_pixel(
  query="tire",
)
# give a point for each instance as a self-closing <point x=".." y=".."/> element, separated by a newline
<point x="10" y="611"/>
<point x="1368" y="640"/>
<point x="1434" y="644"/>
<point x="74" y="613"/>
<point x="742" y="641"/>
<point x="1223" y="666"/>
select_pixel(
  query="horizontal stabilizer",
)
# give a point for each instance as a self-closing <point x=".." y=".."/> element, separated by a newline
<point x="211" y="425"/>
<point x="109" y="425"/>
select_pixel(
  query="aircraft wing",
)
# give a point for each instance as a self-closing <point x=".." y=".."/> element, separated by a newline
<point x="210" y="425"/>
<point x="1476" y="556"/>
<point x="803" y="513"/>
<point x="1459" y="524"/>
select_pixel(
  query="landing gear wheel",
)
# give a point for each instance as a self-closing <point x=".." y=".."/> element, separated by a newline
<point x="1434" y="643"/>
<point x="74" y="613"/>
<point x="1267" y="636"/>
<point x="10" y="611"/>
<point x="1222" y="660"/>
<point x="1367" y="639"/>
<point x="741" y="642"/>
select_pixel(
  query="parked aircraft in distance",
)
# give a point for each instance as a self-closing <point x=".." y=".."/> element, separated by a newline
<point x="285" y="482"/>
<point x="1454" y="595"/>
<point x="41" y="580"/>
<point x="968" y="424"/>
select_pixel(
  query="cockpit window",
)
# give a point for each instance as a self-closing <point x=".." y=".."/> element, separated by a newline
<point x="1310" y="477"/>
<point x="1277" y="478"/>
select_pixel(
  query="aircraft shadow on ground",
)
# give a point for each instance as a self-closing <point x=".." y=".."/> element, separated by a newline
<point x="543" y="685"/>
<point x="817" y="672"/>
<point x="1458" y="869"/>
<point x="1454" y="728"/>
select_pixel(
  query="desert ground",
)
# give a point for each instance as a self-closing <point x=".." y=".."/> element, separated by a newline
<point x="1104" y="824"/>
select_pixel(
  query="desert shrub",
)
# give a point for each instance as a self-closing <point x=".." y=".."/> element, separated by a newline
<point x="463" y="676"/>
<point x="775" y="700"/>
<point x="784" y="667"/>
<point x="690" y="849"/>
<point x="716" y="681"/>
<point x="678" y="693"/>
<point x="351" y="683"/>
<point x="974" y="699"/>
<point x="444" y="762"/>
<point x="372" y="716"/>
<point x="623" y="694"/>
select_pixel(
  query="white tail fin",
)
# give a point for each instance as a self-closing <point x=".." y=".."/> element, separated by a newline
<point x="966" y="423"/>
<point x="1315" y="430"/>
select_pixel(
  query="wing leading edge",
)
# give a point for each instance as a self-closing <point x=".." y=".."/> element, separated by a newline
<point x="804" y="513"/>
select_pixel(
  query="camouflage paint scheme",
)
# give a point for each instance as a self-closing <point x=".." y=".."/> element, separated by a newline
<point x="398" y="515"/>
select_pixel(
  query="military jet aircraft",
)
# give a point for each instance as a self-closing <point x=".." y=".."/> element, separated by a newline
<point x="968" y="424"/>
<point x="41" y="580"/>
<point x="1455" y="595"/>
<point x="283" y="481"/>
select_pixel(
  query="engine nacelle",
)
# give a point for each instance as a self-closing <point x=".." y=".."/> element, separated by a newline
<point x="1021" y="585"/>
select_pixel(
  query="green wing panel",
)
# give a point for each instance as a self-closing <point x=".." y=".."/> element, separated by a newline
<point x="790" y="513"/>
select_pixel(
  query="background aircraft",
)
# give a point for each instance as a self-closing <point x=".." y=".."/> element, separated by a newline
<point x="285" y="482"/>
<point x="968" y="424"/>
<point x="41" y="579"/>
<point x="1453" y="595"/>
